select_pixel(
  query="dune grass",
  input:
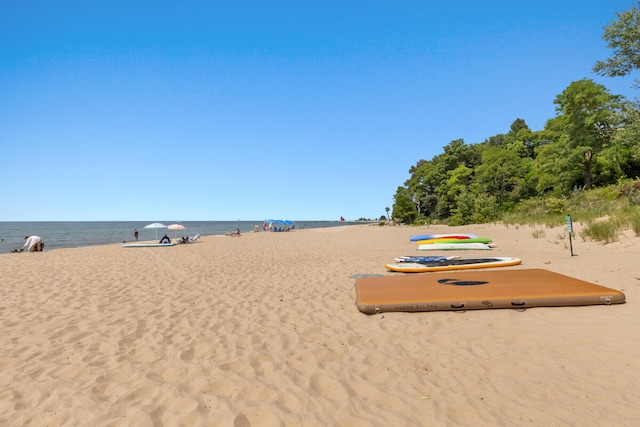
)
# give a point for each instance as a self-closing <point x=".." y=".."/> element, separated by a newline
<point x="603" y="213"/>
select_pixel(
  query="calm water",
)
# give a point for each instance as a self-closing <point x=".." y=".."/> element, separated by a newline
<point x="72" y="234"/>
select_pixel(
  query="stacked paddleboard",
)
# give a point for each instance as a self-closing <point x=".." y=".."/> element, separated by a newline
<point x="450" y="242"/>
<point x="418" y="265"/>
<point x="441" y="236"/>
<point x="424" y="264"/>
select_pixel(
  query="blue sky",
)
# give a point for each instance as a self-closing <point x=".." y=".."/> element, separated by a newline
<point x="219" y="110"/>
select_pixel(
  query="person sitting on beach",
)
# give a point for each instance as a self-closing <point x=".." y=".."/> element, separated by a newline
<point x="234" y="233"/>
<point x="165" y="239"/>
<point x="34" y="243"/>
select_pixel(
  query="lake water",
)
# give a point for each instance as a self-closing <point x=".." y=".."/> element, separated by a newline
<point x="73" y="234"/>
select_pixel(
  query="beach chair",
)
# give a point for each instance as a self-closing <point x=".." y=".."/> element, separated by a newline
<point x="194" y="238"/>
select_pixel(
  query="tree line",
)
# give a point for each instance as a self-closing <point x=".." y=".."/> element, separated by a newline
<point x="594" y="140"/>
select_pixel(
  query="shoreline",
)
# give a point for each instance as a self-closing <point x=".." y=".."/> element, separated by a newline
<point x="263" y="330"/>
<point x="80" y="234"/>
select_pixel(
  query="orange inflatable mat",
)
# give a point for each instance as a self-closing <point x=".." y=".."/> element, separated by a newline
<point x="472" y="290"/>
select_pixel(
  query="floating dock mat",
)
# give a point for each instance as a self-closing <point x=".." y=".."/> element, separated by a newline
<point x="473" y="290"/>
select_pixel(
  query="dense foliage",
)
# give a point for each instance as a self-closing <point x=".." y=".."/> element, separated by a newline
<point x="593" y="141"/>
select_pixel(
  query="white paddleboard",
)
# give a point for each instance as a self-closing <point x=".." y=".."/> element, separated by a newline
<point x="453" y="246"/>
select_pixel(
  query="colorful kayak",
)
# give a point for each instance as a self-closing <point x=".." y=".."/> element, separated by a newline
<point x="454" y="246"/>
<point x="453" y="264"/>
<point x="469" y="240"/>
<point x="441" y="236"/>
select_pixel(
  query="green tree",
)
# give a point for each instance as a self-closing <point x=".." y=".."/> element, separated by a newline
<point x="589" y="113"/>
<point x="522" y="139"/>
<point x="556" y="168"/>
<point x="403" y="207"/>
<point x="462" y="212"/>
<point x="457" y="153"/>
<point x="507" y="161"/>
<point x="485" y="209"/>
<point x="500" y="172"/>
<point x="624" y="154"/>
<point x="454" y="167"/>
<point x="459" y="182"/>
<point x="421" y="187"/>
<point x="424" y="187"/>
<point x="623" y="37"/>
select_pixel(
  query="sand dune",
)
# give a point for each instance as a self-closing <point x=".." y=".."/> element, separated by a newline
<point x="262" y="330"/>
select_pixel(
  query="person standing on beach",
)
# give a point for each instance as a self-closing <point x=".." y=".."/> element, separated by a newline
<point x="135" y="234"/>
<point x="34" y="243"/>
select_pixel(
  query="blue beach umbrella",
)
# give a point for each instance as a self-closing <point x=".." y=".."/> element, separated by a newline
<point x="280" y="221"/>
<point x="156" y="225"/>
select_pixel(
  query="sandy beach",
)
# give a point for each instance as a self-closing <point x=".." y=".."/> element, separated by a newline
<point x="262" y="330"/>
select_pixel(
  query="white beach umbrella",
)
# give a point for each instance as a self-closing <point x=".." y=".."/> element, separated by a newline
<point x="156" y="225"/>
<point x="176" y="227"/>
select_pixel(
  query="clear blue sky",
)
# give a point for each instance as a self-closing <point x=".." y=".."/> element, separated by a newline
<point x="307" y="110"/>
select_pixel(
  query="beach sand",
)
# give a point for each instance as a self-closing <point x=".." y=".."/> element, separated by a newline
<point x="262" y="330"/>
